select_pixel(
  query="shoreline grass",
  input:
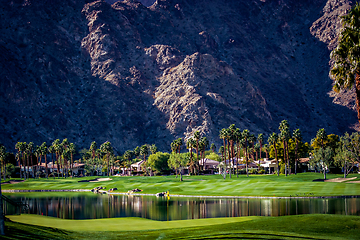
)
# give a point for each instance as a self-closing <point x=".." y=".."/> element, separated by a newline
<point x="209" y="185"/>
<point x="314" y="226"/>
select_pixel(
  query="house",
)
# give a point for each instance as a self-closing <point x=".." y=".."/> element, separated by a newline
<point x="137" y="166"/>
<point x="208" y="164"/>
<point x="269" y="165"/>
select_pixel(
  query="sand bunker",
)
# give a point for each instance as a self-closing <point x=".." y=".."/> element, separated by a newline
<point x="12" y="182"/>
<point x="341" y="179"/>
<point x="101" y="180"/>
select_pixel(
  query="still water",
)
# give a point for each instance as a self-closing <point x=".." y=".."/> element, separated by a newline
<point x="91" y="206"/>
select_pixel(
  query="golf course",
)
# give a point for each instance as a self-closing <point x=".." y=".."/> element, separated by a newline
<point x="310" y="226"/>
<point x="299" y="185"/>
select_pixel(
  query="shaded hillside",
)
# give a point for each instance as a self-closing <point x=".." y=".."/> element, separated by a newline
<point x="91" y="71"/>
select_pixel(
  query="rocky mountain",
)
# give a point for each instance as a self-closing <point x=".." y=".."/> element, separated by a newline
<point x="135" y="73"/>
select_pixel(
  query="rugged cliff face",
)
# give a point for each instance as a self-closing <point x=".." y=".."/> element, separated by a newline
<point x="135" y="73"/>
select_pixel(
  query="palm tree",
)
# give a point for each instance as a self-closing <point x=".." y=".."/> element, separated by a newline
<point x="128" y="155"/>
<point x="298" y="138"/>
<point x="2" y="220"/>
<point x="19" y="148"/>
<point x="37" y="153"/>
<point x="256" y="149"/>
<point x="203" y="144"/>
<point x="108" y="150"/>
<point x="232" y="139"/>
<point x="144" y="150"/>
<point x="245" y="135"/>
<point x="65" y="144"/>
<point x="222" y="135"/>
<point x="238" y="137"/>
<point x="44" y="152"/>
<point x="260" y="139"/>
<point x="197" y="139"/>
<point x="213" y="147"/>
<point x="266" y="149"/>
<point x="153" y="149"/>
<point x="2" y="159"/>
<point x="72" y="151"/>
<point x="251" y="141"/>
<point x="346" y="56"/>
<point x="190" y="144"/>
<point x="285" y="136"/>
<point x="272" y="140"/>
<point x="321" y="135"/>
<point x="29" y="151"/>
<point x="52" y="151"/>
<point x="57" y="148"/>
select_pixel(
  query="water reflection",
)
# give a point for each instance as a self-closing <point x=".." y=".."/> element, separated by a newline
<point x="90" y="206"/>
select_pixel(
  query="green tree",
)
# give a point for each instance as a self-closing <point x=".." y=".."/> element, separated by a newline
<point x="213" y="156"/>
<point x="346" y="55"/>
<point x="159" y="161"/>
<point x="348" y="152"/>
<point x="178" y="161"/>
<point x="322" y="157"/>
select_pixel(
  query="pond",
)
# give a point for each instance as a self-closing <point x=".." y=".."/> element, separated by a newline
<point x="91" y="206"/>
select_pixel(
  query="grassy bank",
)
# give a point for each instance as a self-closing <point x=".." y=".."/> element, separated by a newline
<point x="287" y="227"/>
<point x="214" y="185"/>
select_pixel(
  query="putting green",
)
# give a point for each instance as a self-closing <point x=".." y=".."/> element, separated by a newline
<point x="120" y="224"/>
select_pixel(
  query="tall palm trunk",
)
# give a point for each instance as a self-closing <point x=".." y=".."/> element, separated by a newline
<point x="228" y="146"/>
<point x="46" y="167"/>
<point x="246" y="160"/>
<point x="107" y="161"/>
<point x="285" y="158"/>
<point x="296" y="158"/>
<point x="357" y="87"/>
<point x="277" y="162"/>
<point x="288" y="157"/>
<point x="2" y="216"/>
<point x="237" y="159"/>
<point x="27" y="167"/>
<point x="58" y="164"/>
<point x="24" y="165"/>
<point x="233" y="156"/>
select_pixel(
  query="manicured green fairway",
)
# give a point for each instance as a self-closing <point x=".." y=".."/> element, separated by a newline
<point x="287" y="227"/>
<point x="254" y="185"/>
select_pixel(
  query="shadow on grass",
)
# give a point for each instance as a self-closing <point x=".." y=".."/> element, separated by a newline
<point x="252" y="236"/>
<point x="14" y="230"/>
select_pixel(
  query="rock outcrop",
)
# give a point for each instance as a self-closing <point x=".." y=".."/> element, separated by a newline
<point x="135" y="73"/>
